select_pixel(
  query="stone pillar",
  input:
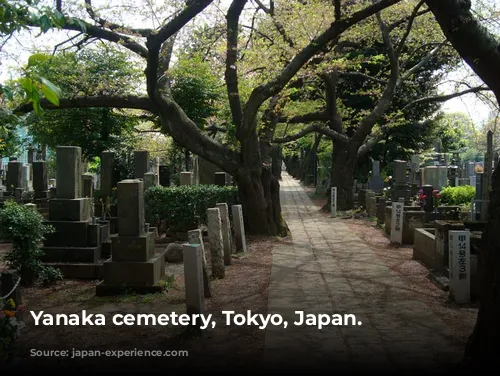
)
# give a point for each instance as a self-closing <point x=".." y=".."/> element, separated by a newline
<point x="31" y="155"/>
<point x="25" y="181"/>
<point x="164" y="176"/>
<point x="216" y="244"/>
<point x="130" y="195"/>
<point x="400" y="172"/>
<point x="14" y="175"/>
<point x="108" y="181"/>
<point x="195" y="237"/>
<point x="88" y="185"/>
<point x="429" y="200"/>
<point x="149" y="180"/>
<point x="186" y="178"/>
<point x="239" y="228"/>
<point x="226" y="232"/>
<point x="69" y="172"/>
<point x="220" y="179"/>
<point x="381" y="211"/>
<point x="141" y="163"/>
<point x="193" y="279"/>
<point x="157" y="171"/>
<point x="40" y="181"/>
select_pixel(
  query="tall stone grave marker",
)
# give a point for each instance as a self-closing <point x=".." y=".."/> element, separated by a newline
<point x="164" y="176"/>
<point x="149" y="180"/>
<point x="195" y="237"/>
<point x="141" y="163"/>
<point x="40" y="181"/>
<point x="220" y="179"/>
<point x="240" y="240"/>
<point x="226" y="232"/>
<point x="459" y="266"/>
<point x="216" y="243"/>
<point x="193" y="279"/>
<point x="133" y="261"/>
<point x="108" y="173"/>
<point x="14" y="175"/>
<point x="401" y="187"/>
<point x="397" y="222"/>
<point x="88" y="185"/>
<point x="376" y="184"/>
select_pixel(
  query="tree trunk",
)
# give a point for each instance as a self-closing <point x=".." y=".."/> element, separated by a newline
<point x="482" y="347"/>
<point x="344" y="157"/>
<point x="259" y="197"/>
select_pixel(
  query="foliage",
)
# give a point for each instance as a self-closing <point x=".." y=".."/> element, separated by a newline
<point x="461" y="195"/>
<point x="92" y="72"/>
<point x="185" y="207"/>
<point x="10" y="327"/>
<point x="195" y="88"/>
<point x="25" y="228"/>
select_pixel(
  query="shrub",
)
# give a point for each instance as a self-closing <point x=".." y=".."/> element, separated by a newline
<point x="461" y="195"/>
<point x="25" y="228"/>
<point x="185" y="207"/>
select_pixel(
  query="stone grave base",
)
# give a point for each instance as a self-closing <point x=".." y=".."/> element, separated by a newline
<point x="79" y="270"/>
<point x="106" y="249"/>
<point x="71" y="254"/>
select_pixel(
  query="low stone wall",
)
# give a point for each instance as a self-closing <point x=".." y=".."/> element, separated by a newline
<point x="424" y="248"/>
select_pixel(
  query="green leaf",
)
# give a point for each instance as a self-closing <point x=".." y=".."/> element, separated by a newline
<point x="58" y="19"/>
<point x="45" y="23"/>
<point x="35" y="98"/>
<point x="55" y="89"/>
<point x="50" y="95"/>
<point x="80" y="23"/>
<point x="36" y="59"/>
<point x="27" y="85"/>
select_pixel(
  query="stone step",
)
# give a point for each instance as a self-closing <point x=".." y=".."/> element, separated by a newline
<point x="90" y="271"/>
<point x="71" y="254"/>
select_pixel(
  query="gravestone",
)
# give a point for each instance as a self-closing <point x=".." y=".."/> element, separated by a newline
<point x="164" y="177"/>
<point x="141" y="163"/>
<point x="401" y="187"/>
<point x="88" y="185"/>
<point x="31" y="155"/>
<point x="26" y="178"/>
<point x="376" y="184"/>
<point x="108" y="173"/>
<point x="429" y="201"/>
<point x="14" y="175"/>
<point x="226" y="232"/>
<point x="371" y="203"/>
<point x="442" y="176"/>
<point x="149" y="180"/>
<point x="216" y="243"/>
<point x="333" y="202"/>
<point x="133" y="261"/>
<point x="76" y="239"/>
<point x="239" y="228"/>
<point x="414" y="176"/>
<point x="459" y="266"/>
<point x="196" y="237"/>
<point x="220" y="179"/>
<point x="186" y="178"/>
<point x="40" y="181"/>
<point x="157" y="170"/>
<point x="397" y="223"/>
<point x="193" y="279"/>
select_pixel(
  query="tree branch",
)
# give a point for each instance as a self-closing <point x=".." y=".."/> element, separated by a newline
<point x="334" y="120"/>
<point x="263" y="92"/>
<point x="312" y="128"/>
<point x="133" y="102"/>
<point x="231" y="73"/>
<point x="306" y="118"/>
<point x="409" y="27"/>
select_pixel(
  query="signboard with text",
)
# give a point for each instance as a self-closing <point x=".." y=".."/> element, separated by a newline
<point x="459" y="266"/>
<point x="397" y="223"/>
<point x="334" y="202"/>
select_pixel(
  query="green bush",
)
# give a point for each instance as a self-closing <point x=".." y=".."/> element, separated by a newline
<point x="185" y="207"/>
<point x="461" y="195"/>
<point x="25" y="228"/>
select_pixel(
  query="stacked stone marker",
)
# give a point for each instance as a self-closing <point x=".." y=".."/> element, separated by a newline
<point x="195" y="237"/>
<point x="133" y="260"/>
<point x="186" y="178"/>
<point x="25" y="181"/>
<point x="193" y="279"/>
<point x="459" y="266"/>
<point x="226" y="232"/>
<point x="239" y="228"/>
<point x="40" y="181"/>
<point x="141" y="163"/>
<point x="216" y="243"/>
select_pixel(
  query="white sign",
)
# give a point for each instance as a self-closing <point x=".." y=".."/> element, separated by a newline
<point x="459" y="266"/>
<point x="334" y="202"/>
<point x="397" y="223"/>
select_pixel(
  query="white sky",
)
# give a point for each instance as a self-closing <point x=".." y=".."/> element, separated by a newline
<point x="17" y="50"/>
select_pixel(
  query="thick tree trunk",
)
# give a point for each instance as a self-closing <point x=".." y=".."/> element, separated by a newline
<point x="482" y="347"/>
<point x="259" y="196"/>
<point x="344" y="157"/>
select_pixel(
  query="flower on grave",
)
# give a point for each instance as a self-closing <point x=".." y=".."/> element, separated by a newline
<point x="9" y="313"/>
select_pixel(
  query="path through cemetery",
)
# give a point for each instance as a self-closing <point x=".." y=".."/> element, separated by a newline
<point x="329" y="269"/>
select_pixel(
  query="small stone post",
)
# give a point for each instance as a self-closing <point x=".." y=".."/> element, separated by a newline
<point x="186" y="178"/>
<point x="195" y="237"/>
<point x="226" y="232"/>
<point x="216" y="244"/>
<point x="193" y="279"/>
<point x="239" y="228"/>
